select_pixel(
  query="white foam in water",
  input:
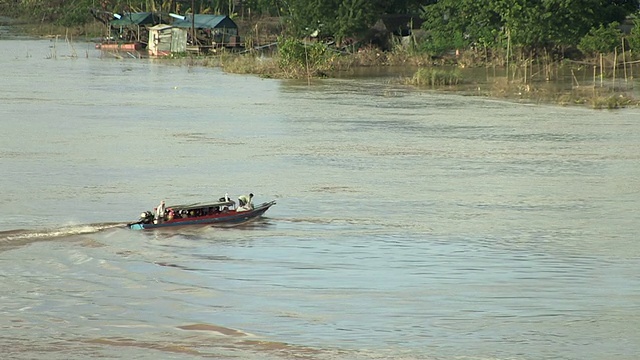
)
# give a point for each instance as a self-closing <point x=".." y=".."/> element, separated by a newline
<point x="16" y="235"/>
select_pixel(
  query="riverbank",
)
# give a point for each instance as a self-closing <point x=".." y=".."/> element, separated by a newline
<point x="8" y="27"/>
<point x="570" y="85"/>
<point x="16" y="28"/>
<point x="565" y="84"/>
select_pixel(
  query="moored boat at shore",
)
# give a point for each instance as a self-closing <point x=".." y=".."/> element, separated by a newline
<point x="116" y="46"/>
<point x="224" y="212"/>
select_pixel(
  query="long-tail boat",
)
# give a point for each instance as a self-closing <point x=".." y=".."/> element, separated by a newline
<point x="224" y="212"/>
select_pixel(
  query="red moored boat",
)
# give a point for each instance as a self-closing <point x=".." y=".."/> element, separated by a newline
<point x="113" y="46"/>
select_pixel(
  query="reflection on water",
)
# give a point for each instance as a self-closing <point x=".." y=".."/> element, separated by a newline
<point x="410" y="224"/>
<point x="565" y="84"/>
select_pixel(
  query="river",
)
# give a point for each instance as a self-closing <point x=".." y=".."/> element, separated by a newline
<point x="409" y="224"/>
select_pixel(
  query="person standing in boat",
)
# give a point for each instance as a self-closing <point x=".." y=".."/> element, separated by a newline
<point x="159" y="212"/>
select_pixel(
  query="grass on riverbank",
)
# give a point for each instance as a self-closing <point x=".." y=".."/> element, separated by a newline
<point x="613" y="101"/>
<point x="251" y="64"/>
<point x="429" y="73"/>
<point x="270" y="66"/>
<point x="446" y="79"/>
<point x="435" y="77"/>
<point x="596" y="97"/>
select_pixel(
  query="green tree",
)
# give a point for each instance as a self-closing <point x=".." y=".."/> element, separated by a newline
<point x="615" y="10"/>
<point x="304" y="17"/>
<point x="454" y="24"/>
<point x="297" y="58"/>
<point x="557" y="23"/>
<point x="74" y="12"/>
<point x="74" y="15"/>
<point x="634" y="37"/>
<point x="404" y="6"/>
<point x="262" y="7"/>
<point x="354" y="17"/>
<point x="528" y="25"/>
<point x="341" y="18"/>
<point x="603" y="39"/>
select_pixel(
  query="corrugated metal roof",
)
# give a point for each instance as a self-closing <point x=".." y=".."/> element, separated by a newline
<point x="204" y="21"/>
<point x="139" y="18"/>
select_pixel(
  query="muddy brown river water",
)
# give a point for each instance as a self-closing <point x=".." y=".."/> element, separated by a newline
<point x="409" y="224"/>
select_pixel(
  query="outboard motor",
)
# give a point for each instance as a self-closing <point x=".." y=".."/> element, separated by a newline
<point x="146" y="217"/>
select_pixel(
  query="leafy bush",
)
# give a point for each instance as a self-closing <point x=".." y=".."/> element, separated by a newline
<point x="634" y="37"/>
<point x="440" y="44"/>
<point x="297" y="58"/>
<point x="614" y="101"/>
<point x="601" y="39"/>
<point x="74" y="16"/>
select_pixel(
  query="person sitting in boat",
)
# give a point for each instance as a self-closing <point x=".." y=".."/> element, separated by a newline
<point x="170" y="214"/>
<point x="244" y="203"/>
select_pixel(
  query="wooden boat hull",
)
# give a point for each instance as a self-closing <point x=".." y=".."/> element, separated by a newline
<point x="120" y="46"/>
<point x="231" y="218"/>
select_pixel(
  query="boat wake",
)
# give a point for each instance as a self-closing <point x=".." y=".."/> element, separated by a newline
<point x="23" y="236"/>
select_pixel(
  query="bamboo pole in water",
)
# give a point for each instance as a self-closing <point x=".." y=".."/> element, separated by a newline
<point x="615" y="62"/>
<point x="624" y="62"/>
<point x="306" y="58"/>
<point x="547" y="62"/>
<point x="631" y="68"/>
<point x="531" y="69"/>
<point x="508" y="50"/>
<point x="542" y="67"/>
<point x="601" y="70"/>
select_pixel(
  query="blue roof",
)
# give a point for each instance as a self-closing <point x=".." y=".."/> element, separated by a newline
<point x="204" y="21"/>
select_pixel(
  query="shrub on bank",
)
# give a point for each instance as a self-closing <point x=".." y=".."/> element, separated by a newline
<point x="300" y="59"/>
<point x="250" y="64"/>
<point x="614" y="101"/>
<point x="435" y="77"/>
